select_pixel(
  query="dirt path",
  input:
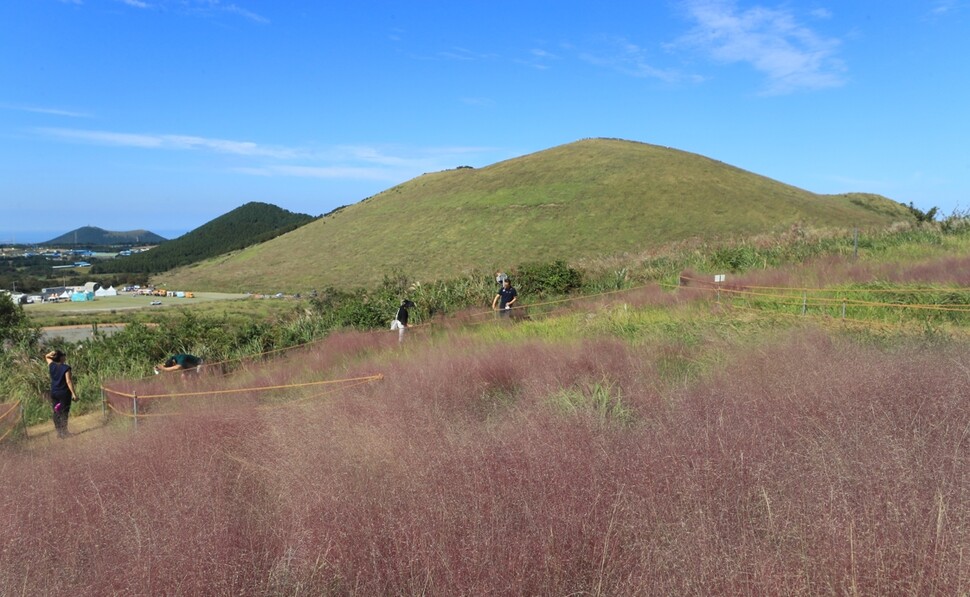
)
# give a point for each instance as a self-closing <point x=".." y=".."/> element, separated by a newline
<point x="82" y="428"/>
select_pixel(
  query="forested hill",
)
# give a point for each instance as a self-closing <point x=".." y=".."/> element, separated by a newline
<point x="249" y="224"/>
<point x="94" y="236"/>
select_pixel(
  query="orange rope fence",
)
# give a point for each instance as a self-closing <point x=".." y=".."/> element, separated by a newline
<point x="14" y="406"/>
<point x="135" y="398"/>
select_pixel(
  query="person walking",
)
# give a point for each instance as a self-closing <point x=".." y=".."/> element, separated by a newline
<point x="62" y="390"/>
<point x="505" y="298"/>
<point x="400" y="322"/>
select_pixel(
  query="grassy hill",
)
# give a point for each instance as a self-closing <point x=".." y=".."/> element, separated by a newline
<point x="246" y="225"/>
<point x="92" y="235"/>
<point x="585" y="199"/>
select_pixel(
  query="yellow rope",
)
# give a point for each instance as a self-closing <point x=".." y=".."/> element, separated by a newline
<point x="240" y="390"/>
<point x="9" y="410"/>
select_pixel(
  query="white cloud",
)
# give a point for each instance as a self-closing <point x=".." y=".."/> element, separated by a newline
<point x="44" y="110"/>
<point x="356" y="162"/>
<point x="630" y="59"/>
<point x="465" y="54"/>
<point x="790" y="55"/>
<point x="195" y="7"/>
<point x="188" y="142"/>
<point x="944" y="7"/>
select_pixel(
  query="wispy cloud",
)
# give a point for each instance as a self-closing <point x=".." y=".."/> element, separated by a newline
<point x="789" y="54"/>
<point x="944" y="7"/>
<point x="196" y="7"/>
<point x="465" y="54"/>
<point x="359" y="162"/>
<point x="630" y="59"/>
<point x="150" y="141"/>
<point x="44" y="110"/>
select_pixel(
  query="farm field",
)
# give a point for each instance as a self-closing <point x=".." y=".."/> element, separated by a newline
<point x="128" y="308"/>
<point x="124" y="302"/>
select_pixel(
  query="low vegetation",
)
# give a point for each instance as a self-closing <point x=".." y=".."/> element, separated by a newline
<point x="643" y="431"/>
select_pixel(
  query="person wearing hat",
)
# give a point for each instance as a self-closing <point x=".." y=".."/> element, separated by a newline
<point x="400" y="322"/>
<point x="505" y="298"/>
<point x="62" y="390"/>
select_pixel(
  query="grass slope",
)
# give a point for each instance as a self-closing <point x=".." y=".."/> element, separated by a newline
<point x="589" y="198"/>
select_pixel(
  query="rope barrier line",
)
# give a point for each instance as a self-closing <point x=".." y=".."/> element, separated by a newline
<point x="830" y="303"/>
<point x="141" y="415"/>
<point x="240" y="390"/>
<point x="361" y="381"/>
<point x="315" y="396"/>
<point x="874" y="290"/>
<point x="958" y="308"/>
<point x="817" y="316"/>
<point x="854" y="302"/>
<point x="12" y="427"/>
<point x="9" y="410"/>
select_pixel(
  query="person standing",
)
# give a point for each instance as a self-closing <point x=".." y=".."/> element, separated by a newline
<point x="400" y="322"/>
<point x="505" y="298"/>
<point x="62" y="390"/>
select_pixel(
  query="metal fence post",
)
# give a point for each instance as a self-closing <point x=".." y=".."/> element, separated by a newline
<point x="134" y="408"/>
<point x="804" y="302"/>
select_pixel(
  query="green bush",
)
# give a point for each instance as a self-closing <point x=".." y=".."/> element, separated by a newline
<point x="547" y="279"/>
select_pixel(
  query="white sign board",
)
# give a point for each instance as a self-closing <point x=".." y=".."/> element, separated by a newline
<point x="719" y="278"/>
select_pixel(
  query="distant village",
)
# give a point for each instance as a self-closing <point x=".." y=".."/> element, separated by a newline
<point x="88" y="292"/>
<point x="73" y="259"/>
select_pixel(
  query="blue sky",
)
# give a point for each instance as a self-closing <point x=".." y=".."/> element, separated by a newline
<point x="165" y="114"/>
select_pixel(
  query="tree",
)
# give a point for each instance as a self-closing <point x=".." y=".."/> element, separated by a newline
<point x="15" y="326"/>
<point x="923" y="216"/>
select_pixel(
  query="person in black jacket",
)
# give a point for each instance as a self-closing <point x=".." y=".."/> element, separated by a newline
<point x="400" y="322"/>
<point x="62" y="390"/>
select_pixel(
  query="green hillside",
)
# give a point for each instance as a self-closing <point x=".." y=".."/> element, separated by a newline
<point x="585" y="199"/>
<point x="94" y="236"/>
<point x="249" y="224"/>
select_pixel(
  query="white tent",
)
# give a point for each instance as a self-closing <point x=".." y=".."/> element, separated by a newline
<point x="109" y="291"/>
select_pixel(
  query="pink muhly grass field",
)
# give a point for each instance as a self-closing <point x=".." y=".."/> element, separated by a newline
<point x="808" y="466"/>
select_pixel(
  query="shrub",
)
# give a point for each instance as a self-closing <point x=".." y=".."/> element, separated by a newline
<point x="547" y="279"/>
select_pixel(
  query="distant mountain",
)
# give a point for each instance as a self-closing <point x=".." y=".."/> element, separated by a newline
<point x="249" y="224"/>
<point x="92" y="235"/>
<point x="588" y="199"/>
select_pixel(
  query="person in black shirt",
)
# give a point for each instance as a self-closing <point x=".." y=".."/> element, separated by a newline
<point x="505" y="298"/>
<point x="62" y="390"/>
<point x="400" y="322"/>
